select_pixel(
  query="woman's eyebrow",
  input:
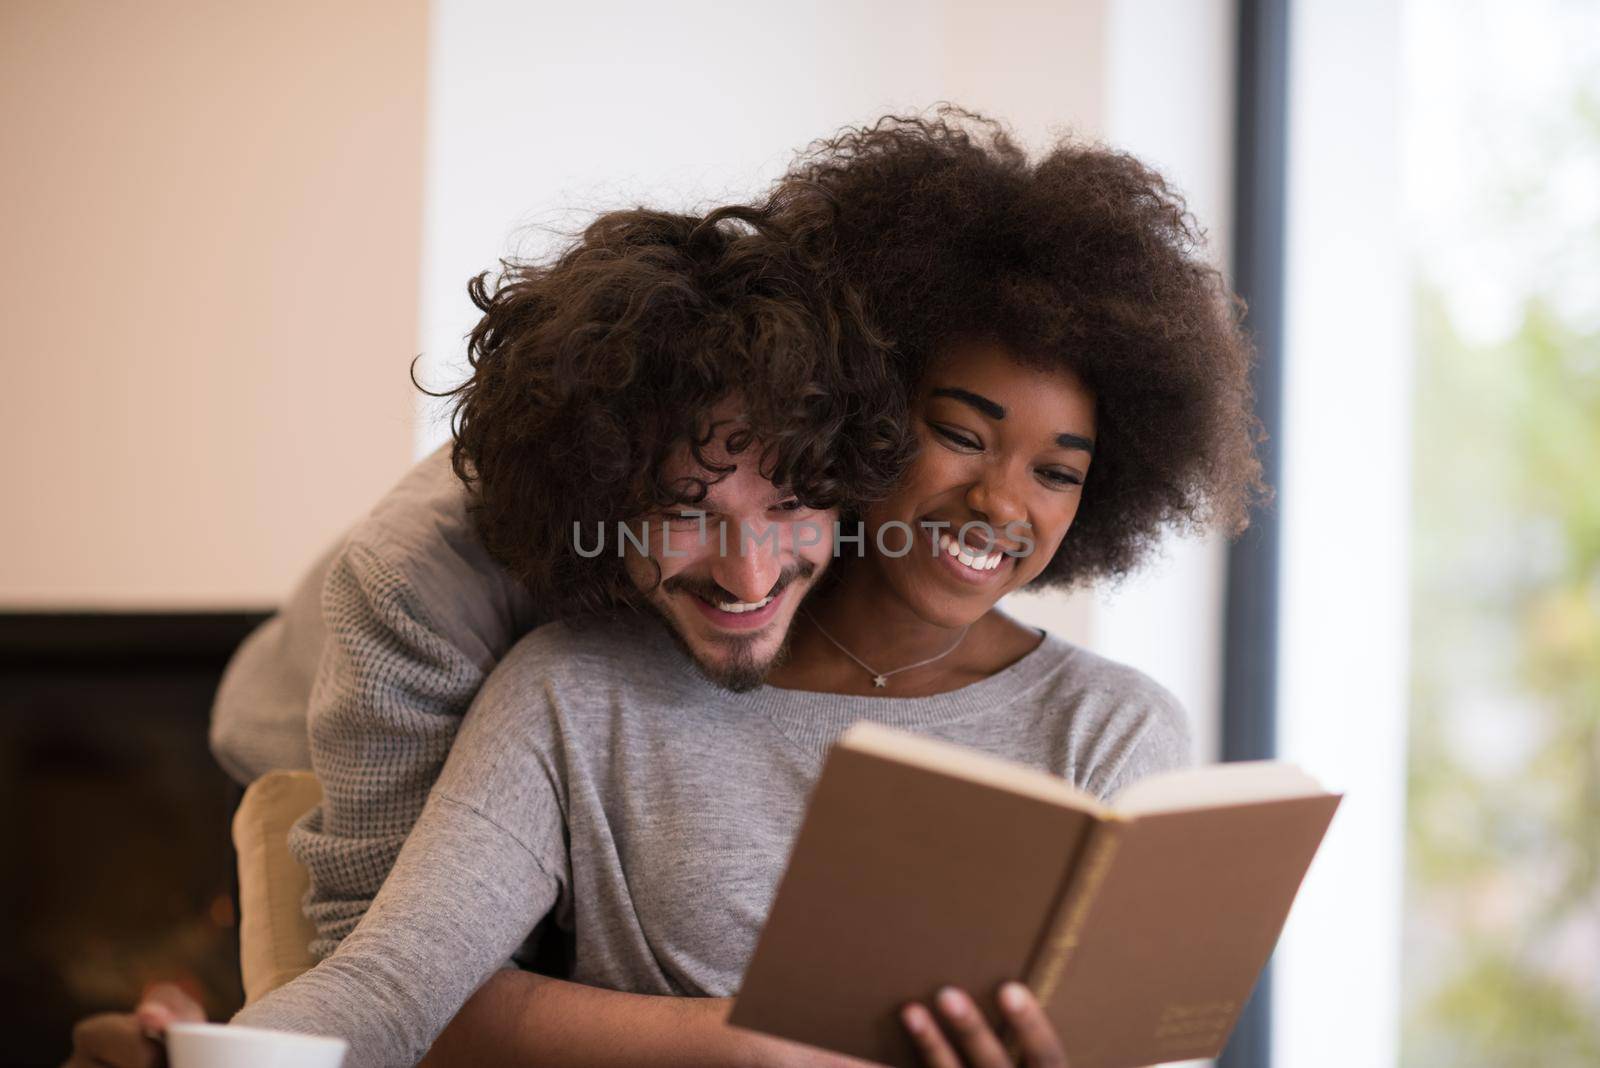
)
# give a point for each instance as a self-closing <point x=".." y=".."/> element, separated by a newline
<point x="983" y="404"/>
<point x="1075" y="441"/>
<point x="998" y="411"/>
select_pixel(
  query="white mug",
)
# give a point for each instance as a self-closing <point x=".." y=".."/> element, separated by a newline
<point x="211" y="1045"/>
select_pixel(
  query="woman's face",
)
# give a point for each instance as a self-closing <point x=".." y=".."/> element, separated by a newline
<point x="1004" y="452"/>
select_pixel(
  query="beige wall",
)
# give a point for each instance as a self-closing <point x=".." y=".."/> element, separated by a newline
<point x="208" y="290"/>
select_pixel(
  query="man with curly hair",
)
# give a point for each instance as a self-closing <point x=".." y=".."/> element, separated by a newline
<point x="663" y="365"/>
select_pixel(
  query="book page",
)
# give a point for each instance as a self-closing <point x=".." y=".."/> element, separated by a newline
<point x="1235" y="783"/>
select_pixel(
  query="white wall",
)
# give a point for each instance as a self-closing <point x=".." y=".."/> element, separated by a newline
<point x="1171" y="98"/>
<point x="1347" y="408"/>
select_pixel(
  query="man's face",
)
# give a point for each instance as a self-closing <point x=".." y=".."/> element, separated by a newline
<point x="733" y="567"/>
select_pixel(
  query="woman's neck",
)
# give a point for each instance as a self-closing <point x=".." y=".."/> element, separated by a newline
<point x="861" y="613"/>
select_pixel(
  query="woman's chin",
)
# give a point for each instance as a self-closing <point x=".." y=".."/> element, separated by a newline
<point x="952" y="613"/>
<point x="938" y="597"/>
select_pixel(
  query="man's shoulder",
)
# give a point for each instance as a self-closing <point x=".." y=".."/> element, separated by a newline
<point x="422" y="539"/>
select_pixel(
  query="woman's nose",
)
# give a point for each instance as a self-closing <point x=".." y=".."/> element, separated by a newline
<point x="996" y="500"/>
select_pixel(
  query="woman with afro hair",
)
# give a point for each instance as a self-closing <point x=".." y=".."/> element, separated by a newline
<point x="1082" y="266"/>
<point x="1077" y="384"/>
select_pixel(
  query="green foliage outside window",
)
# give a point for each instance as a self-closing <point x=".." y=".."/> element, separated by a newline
<point x="1502" y="953"/>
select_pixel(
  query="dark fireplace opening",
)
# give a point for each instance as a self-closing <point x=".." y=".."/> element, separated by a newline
<point x="114" y="819"/>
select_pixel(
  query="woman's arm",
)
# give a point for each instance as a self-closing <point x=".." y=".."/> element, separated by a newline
<point x="523" y="1018"/>
<point x="518" y="1018"/>
<point x="484" y="864"/>
<point x="463" y="895"/>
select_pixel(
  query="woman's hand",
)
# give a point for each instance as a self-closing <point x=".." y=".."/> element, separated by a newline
<point x="976" y="1042"/>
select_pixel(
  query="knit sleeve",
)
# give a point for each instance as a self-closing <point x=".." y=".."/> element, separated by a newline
<point x="258" y="717"/>
<point x="385" y="707"/>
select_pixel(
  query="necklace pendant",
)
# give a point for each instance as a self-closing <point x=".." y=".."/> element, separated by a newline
<point x="880" y="681"/>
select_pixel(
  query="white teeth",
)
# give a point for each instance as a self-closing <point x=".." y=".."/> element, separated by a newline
<point x="987" y="562"/>
<point x="737" y="607"/>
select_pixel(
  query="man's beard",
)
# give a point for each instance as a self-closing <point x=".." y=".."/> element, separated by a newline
<point x="739" y="672"/>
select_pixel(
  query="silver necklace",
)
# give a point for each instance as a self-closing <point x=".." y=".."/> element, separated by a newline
<point x="880" y="679"/>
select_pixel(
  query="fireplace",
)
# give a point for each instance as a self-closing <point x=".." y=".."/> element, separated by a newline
<point x="113" y="819"/>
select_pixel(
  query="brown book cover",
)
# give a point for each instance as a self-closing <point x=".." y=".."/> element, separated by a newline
<point x="1140" y="925"/>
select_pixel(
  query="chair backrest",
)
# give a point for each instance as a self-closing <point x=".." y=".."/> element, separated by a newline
<point x="274" y="934"/>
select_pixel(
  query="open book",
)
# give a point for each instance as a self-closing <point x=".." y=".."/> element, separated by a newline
<point x="1141" y="926"/>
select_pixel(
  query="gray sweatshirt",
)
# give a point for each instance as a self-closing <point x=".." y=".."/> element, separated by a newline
<point x="601" y="781"/>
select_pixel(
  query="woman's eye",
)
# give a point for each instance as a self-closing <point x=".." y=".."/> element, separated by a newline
<point x="1060" y="478"/>
<point x="687" y="518"/>
<point x="791" y="505"/>
<point x="955" y="437"/>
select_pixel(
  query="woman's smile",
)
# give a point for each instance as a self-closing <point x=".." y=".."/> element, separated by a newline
<point x="965" y="563"/>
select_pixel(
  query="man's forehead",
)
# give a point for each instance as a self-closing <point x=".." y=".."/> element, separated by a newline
<point x="730" y="445"/>
<point x="724" y="448"/>
<point x="733" y="479"/>
<point x="726" y="458"/>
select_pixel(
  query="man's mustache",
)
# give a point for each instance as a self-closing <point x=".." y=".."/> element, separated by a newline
<point x="708" y="590"/>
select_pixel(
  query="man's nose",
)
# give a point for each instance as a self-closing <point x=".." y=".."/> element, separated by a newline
<point x="752" y="564"/>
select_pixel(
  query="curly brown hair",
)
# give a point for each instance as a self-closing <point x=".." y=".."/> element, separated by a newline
<point x="590" y="370"/>
<point x="1085" y="259"/>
